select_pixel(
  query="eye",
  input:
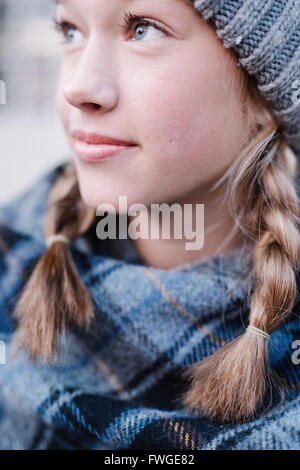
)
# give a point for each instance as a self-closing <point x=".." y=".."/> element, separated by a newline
<point x="69" y="32"/>
<point x="140" y="26"/>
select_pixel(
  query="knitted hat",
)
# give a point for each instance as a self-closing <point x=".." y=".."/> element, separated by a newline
<point x="265" y="34"/>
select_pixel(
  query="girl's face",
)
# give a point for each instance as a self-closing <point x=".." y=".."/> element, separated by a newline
<point x="170" y="87"/>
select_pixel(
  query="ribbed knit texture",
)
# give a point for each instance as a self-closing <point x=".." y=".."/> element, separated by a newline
<point x="266" y="36"/>
<point x="118" y="387"/>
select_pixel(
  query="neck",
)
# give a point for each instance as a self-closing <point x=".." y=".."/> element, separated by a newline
<point x="216" y="237"/>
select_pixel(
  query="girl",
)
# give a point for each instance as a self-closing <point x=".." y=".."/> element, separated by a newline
<point x="172" y="101"/>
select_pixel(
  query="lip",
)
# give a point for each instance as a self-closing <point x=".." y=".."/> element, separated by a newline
<point x="91" y="147"/>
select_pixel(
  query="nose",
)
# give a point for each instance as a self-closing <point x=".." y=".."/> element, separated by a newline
<point x="90" y="86"/>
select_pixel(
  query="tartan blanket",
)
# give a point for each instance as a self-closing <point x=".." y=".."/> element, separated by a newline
<point x="117" y="388"/>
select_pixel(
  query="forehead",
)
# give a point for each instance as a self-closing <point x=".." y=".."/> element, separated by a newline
<point x="188" y="3"/>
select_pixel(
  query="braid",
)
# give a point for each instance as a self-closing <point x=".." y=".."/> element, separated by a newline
<point x="230" y="385"/>
<point x="54" y="295"/>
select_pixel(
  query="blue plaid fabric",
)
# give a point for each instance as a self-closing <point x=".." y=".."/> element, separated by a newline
<point x="118" y="387"/>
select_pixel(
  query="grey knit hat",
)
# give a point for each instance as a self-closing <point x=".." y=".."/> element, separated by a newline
<point x="265" y="34"/>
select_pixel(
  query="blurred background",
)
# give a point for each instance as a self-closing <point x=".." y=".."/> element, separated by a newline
<point x="31" y="137"/>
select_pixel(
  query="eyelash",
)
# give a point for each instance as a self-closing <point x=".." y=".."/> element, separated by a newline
<point x="130" y="20"/>
<point x="62" y="27"/>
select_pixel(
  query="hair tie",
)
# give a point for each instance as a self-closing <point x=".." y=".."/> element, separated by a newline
<point x="258" y="332"/>
<point x="56" y="238"/>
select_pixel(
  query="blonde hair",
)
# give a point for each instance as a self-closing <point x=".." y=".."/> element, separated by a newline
<point x="230" y="384"/>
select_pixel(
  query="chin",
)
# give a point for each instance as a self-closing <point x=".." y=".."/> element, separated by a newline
<point x="96" y="190"/>
<point x="89" y="199"/>
<point x="95" y="198"/>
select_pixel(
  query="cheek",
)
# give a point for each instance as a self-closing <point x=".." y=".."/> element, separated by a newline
<point x="179" y="125"/>
<point x="182" y="117"/>
<point x="184" y="141"/>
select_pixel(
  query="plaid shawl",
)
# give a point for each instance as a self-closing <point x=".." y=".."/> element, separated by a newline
<point x="118" y="387"/>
